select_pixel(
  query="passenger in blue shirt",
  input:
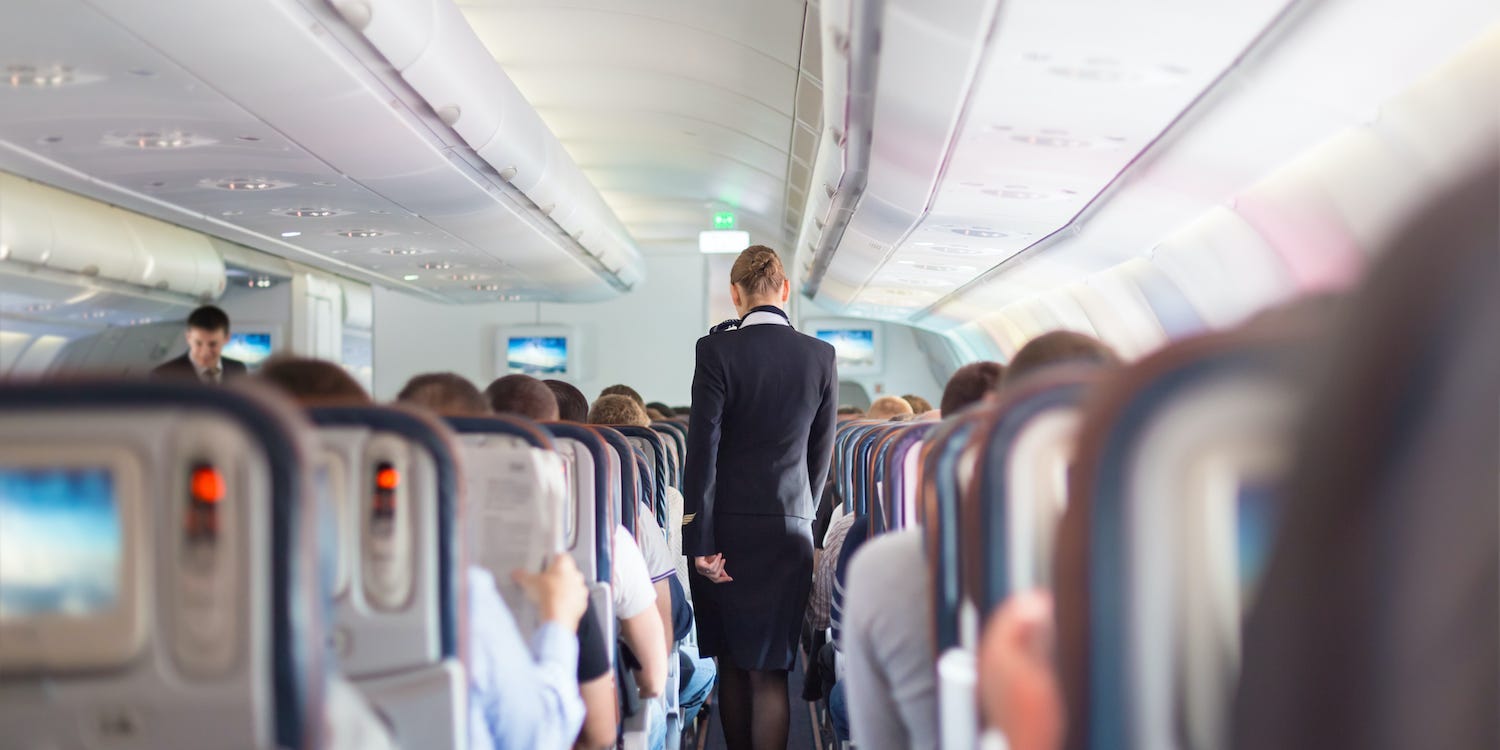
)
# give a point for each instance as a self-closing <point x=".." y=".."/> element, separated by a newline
<point x="525" y="695"/>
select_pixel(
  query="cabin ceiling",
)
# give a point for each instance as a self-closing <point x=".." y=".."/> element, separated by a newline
<point x="674" y="109"/>
<point x="272" y="124"/>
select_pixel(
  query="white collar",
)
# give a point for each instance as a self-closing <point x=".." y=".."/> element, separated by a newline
<point x="763" y="318"/>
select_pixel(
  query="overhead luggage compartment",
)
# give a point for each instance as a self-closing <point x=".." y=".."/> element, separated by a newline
<point x="278" y="126"/>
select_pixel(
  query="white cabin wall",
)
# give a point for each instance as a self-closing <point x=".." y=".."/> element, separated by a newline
<point x="643" y="339"/>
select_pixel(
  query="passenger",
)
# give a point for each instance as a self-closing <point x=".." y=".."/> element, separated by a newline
<point x="1056" y="348"/>
<point x="654" y="415"/>
<point x="890" y="649"/>
<point x="656" y="547"/>
<point x="524" y="696"/>
<point x="760" y="443"/>
<point x="1019" y="696"/>
<point x="971" y="384"/>
<point x="666" y="411"/>
<point x="682" y="411"/>
<point x="887" y="407"/>
<point x="207" y="333"/>
<point x="919" y="405"/>
<point x="572" y="405"/>
<point x="540" y="685"/>
<point x="452" y="395"/>
<point x="624" y="390"/>
<point x="846" y="413"/>
<point x="444" y="393"/>
<point x="313" y="382"/>
<point x="522" y="395"/>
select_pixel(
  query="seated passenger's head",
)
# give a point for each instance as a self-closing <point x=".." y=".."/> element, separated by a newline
<point x="919" y="405"/>
<point x="572" y="405"/>
<point x="970" y="385"/>
<point x="616" y="410"/>
<point x="444" y="393"/>
<point x="207" y="333"/>
<point x="665" y="411"/>
<point x="756" y="279"/>
<point x="1056" y="348"/>
<point x="655" y="415"/>
<point x="847" y="413"/>
<point x="620" y="389"/>
<point x="886" y="407"/>
<point x="523" y="395"/>
<point x="313" y="382"/>
<point x="681" y="411"/>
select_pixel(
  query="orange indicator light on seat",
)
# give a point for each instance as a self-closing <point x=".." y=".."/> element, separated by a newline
<point x="207" y="485"/>
<point x="387" y="478"/>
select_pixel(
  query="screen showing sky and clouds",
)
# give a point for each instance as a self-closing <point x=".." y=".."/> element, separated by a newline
<point x="249" y="348"/>
<point x="537" y="355"/>
<point x="854" y="347"/>
<point x="1255" y="524"/>
<point x="60" y="542"/>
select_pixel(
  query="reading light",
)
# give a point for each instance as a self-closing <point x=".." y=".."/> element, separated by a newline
<point x="291" y="234"/>
<point x="723" y="241"/>
<point x="207" y="484"/>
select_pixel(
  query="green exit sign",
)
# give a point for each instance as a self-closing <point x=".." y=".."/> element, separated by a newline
<point x="724" y="220"/>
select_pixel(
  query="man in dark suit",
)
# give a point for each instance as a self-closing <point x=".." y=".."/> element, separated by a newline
<point x="761" y="439"/>
<point x="207" y="333"/>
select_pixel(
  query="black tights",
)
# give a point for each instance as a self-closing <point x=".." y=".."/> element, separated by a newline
<point x="753" y="707"/>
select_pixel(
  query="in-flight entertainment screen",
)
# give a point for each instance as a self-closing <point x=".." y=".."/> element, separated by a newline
<point x="853" y="347"/>
<point x="60" y="542"/>
<point x="537" y="355"/>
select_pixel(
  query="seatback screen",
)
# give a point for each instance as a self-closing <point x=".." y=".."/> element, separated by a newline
<point x="60" y="542"/>
<point x="1255" y="522"/>
<point x="852" y="347"/>
<point x="537" y="355"/>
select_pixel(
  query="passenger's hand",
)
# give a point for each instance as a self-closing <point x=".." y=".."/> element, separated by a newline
<point x="712" y="568"/>
<point x="558" y="592"/>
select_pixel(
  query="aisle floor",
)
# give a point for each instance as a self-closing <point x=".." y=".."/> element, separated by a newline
<point x="801" y="735"/>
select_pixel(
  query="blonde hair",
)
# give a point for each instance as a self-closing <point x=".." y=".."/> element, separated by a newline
<point x="615" y="409"/>
<point x="758" y="271"/>
<point x="886" y="407"/>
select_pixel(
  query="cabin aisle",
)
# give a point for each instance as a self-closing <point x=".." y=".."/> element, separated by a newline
<point x="801" y="735"/>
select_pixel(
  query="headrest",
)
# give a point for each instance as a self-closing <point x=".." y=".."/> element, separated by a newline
<point x="146" y="629"/>
<point x="896" y="479"/>
<point x="947" y="468"/>
<point x="520" y="427"/>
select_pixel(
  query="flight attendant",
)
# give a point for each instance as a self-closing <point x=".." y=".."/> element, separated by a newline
<point x="760" y="438"/>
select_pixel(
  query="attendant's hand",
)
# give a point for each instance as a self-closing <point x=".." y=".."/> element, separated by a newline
<point x="712" y="568"/>
<point x="558" y="592"/>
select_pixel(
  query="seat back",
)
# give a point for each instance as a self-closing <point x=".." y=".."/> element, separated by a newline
<point x="398" y="628"/>
<point x="157" y="569"/>
<point x="948" y="471"/>
<point x="676" y="434"/>
<point x="626" y="484"/>
<point x="1011" y="524"/>
<point x="517" y="502"/>
<point x="903" y="473"/>
<point x="657" y="464"/>
<point x="1172" y="503"/>
<point x="1375" y="623"/>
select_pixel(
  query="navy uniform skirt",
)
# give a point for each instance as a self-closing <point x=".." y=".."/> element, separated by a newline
<point x="755" y="620"/>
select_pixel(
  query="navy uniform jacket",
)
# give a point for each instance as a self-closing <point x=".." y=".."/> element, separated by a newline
<point x="182" y="367"/>
<point x="765" y="402"/>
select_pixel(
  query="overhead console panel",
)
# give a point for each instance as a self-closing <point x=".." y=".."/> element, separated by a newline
<point x="277" y="125"/>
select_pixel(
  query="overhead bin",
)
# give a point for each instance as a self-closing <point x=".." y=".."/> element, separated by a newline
<point x="82" y="241"/>
<point x="437" y="52"/>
